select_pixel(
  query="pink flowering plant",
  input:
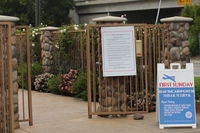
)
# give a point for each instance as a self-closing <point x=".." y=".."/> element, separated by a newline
<point x="67" y="81"/>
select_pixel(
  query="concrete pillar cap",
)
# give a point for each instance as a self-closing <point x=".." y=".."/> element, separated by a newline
<point x="176" y="19"/>
<point x="4" y="18"/>
<point x="49" y="28"/>
<point x="109" y="19"/>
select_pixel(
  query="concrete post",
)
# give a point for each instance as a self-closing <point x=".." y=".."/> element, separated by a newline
<point x="177" y="44"/>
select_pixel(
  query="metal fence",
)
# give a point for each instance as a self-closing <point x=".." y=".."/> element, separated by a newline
<point x="23" y="51"/>
<point x="127" y="94"/>
<point x="69" y="54"/>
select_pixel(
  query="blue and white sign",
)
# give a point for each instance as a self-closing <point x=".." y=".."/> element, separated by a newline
<point x="176" y="97"/>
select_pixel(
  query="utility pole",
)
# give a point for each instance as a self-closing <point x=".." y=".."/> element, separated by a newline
<point x="158" y="12"/>
<point x="37" y="12"/>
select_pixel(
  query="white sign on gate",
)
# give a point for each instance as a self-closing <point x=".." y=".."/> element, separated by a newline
<point x="118" y="51"/>
<point x="176" y="96"/>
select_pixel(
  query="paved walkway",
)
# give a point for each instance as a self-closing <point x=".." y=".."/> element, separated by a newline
<point x="59" y="114"/>
<point x="196" y="61"/>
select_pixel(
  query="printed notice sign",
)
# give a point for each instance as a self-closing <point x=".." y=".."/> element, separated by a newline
<point x="118" y="51"/>
<point x="176" y="97"/>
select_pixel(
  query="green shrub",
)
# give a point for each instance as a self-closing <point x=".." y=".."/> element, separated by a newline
<point x="22" y="75"/>
<point x="36" y="69"/>
<point x="193" y="11"/>
<point x="53" y="84"/>
<point x="197" y="87"/>
<point x="80" y="86"/>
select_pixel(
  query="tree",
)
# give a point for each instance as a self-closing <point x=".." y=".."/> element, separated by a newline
<point x="24" y="9"/>
<point x="55" y="12"/>
<point x="193" y="11"/>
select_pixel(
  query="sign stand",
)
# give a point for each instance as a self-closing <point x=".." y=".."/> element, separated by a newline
<point x="176" y="96"/>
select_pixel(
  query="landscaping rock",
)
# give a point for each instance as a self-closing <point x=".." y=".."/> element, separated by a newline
<point x="138" y="117"/>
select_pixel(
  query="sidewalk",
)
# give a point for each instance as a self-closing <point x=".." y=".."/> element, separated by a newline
<point x="59" y="114"/>
<point x="196" y="62"/>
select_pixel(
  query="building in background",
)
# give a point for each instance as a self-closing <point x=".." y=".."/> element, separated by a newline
<point x="136" y="11"/>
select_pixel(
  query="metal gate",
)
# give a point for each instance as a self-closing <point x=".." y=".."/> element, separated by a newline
<point x="76" y="53"/>
<point x="128" y="94"/>
<point x="23" y="50"/>
<point x="6" y="82"/>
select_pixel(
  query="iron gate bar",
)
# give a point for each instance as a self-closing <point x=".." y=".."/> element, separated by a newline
<point x="141" y="86"/>
<point x="88" y="70"/>
<point x="146" y="76"/>
<point x="94" y="70"/>
<point x="25" y="35"/>
<point x="77" y="53"/>
<point x="29" y="77"/>
<point x="10" y="81"/>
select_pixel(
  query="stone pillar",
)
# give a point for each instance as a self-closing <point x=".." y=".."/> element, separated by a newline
<point x="111" y="99"/>
<point x="47" y="46"/>
<point x="11" y="20"/>
<point x="177" y="46"/>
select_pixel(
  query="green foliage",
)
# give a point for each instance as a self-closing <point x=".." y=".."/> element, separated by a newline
<point x="35" y="44"/>
<point x="64" y="56"/>
<point x="197" y="87"/>
<point x="80" y="86"/>
<point x="22" y="75"/>
<point x="24" y="9"/>
<point x="55" y="12"/>
<point x="193" y="11"/>
<point x="36" y="69"/>
<point x="53" y="84"/>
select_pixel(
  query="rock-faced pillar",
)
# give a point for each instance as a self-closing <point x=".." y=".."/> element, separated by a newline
<point x="46" y="41"/>
<point x="12" y="20"/>
<point x="177" y="46"/>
